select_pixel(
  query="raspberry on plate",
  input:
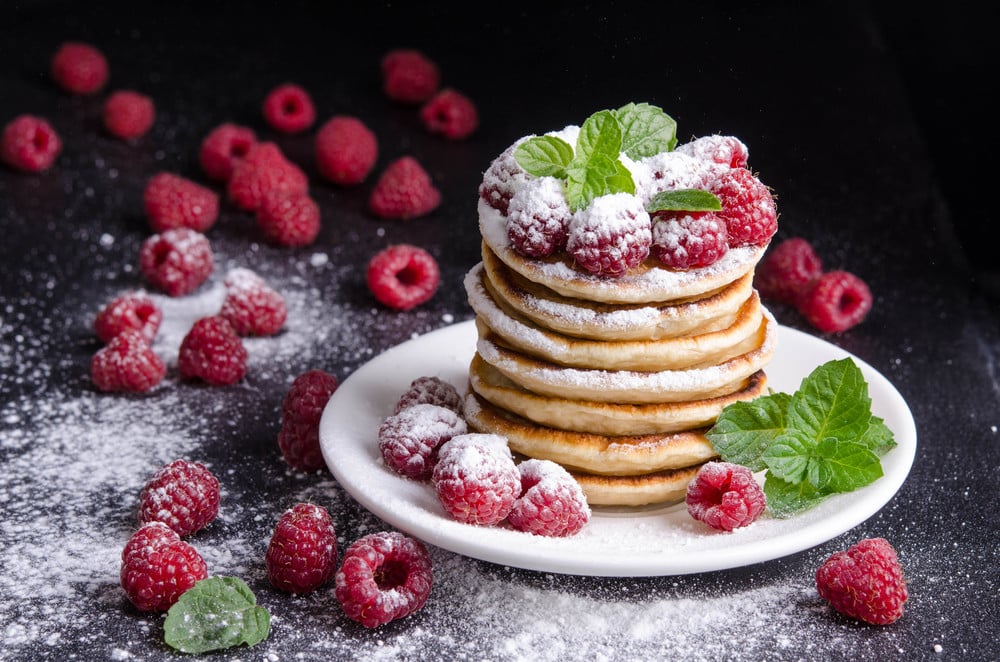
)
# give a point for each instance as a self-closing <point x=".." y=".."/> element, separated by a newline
<point x="475" y="478"/>
<point x="408" y="441"/>
<point x="346" y="150"/>
<point x="538" y="217"/>
<point x="132" y="311"/>
<point x="128" y="114"/>
<point x="301" y="410"/>
<point x="289" y="108"/>
<point x="30" y="144"/>
<point x="251" y="306"/>
<point x="451" y="114"/>
<point x="176" y="261"/>
<point x="788" y="271"/>
<point x="383" y="577"/>
<point x="725" y="496"/>
<point x="403" y="276"/>
<point x="302" y="553"/>
<point x="610" y="236"/>
<point x="431" y="390"/>
<point x="79" y="68"/>
<point x="725" y="150"/>
<point x="224" y="147"/>
<point x="409" y="76"/>
<point x="182" y="494"/>
<point x="288" y="219"/>
<point x="263" y="170"/>
<point x="747" y="206"/>
<point x="403" y="191"/>
<point x="127" y="364"/>
<point x="865" y="582"/>
<point x="157" y="567"/>
<point x="172" y="201"/>
<point x="212" y="352"/>
<point x="689" y="240"/>
<point x="552" y="503"/>
<point x="837" y="301"/>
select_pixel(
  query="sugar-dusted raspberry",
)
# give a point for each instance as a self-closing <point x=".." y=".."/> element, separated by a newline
<point x="263" y="170"/>
<point x="612" y="235"/>
<point x="551" y="503"/>
<point x="409" y="440"/>
<point x="157" y="567"/>
<point x="30" y="144"/>
<point x="451" y="114"/>
<point x="182" y="494"/>
<point x="409" y="76"/>
<point x="865" y="582"/>
<point x="404" y="190"/>
<point x="689" y="240"/>
<point x="288" y="219"/>
<point x="127" y="364"/>
<point x="346" y="150"/>
<point x="176" y="261"/>
<point x="79" y="68"/>
<point x="301" y="410"/>
<point x="670" y="171"/>
<point x="289" y="108"/>
<point x="403" y="276"/>
<point x="475" y="478"/>
<point x="503" y="179"/>
<point x="538" y="217"/>
<point x="131" y="311"/>
<point x="302" y="554"/>
<point x="837" y="301"/>
<point x="212" y="352"/>
<point x="173" y="201"/>
<point x="432" y="390"/>
<point x="129" y="114"/>
<point x="747" y="206"/>
<point x="725" y="496"/>
<point x="383" y="576"/>
<point x="224" y="147"/>
<point x="725" y="150"/>
<point x="251" y="306"/>
<point x="788" y="271"/>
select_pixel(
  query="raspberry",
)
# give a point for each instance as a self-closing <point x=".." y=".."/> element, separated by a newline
<point x="289" y="108"/>
<point x="212" y="352"/>
<point x="128" y="114"/>
<point x="725" y="150"/>
<point x="264" y="170"/>
<point x="302" y="554"/>
<point x="132" y="311"/>
<point x="383" y="577"/>
<point x="224" y="147"/>
<point x="127" y="363"/>
<point x="79" y="68"/>
<point x="404" y="190"/>
<point x="30" y="144"/>
<point x="408" y="441"/>
<point x="451" y="114"/>
<point x="251" y="307"/>
<point x="502" y="180"/>
<point x="301" y="410"/>
<point x="403" y="276"/>
<point x="176" y="261"/>
<point x="610" y="236"/>
<point x="788" y="271"/>
<point x="288" y="219"/>
<point x="430" y="390"/>
<point x="865" y="582"/>
<point x="724" y="496"/>
<point x="747" y="206"/>
<point x="670" y="171"/>
<point x="346" y="150"/>
<point x="184" y="495"/>
<point x="837" y="301"/>
<point x="687" y="240"/>
<point x="172" y="201"/>
<point x="409" y="76"/>
<point x="552" y="503"/>
<point x="475" y="478"/>
<point x="538" y="218"/>
<point x="157" y="567"/>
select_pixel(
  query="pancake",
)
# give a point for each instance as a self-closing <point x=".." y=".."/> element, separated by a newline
<point x="661" y="487"/>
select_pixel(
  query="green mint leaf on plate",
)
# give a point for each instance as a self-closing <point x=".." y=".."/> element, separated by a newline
<point x="744" y="430"/>
<point x="878" y="437"/>
<point x="832" y="402"/>
<point x="544" y="156"/>
<point x="686" y="199"/>
<point x="785" y="499"/>
<point x="646" y="130"/>
<point x="788" y="456"/>
<point x="216" y="613"/>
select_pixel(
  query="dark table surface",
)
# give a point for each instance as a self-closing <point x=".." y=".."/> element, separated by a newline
<point x="860" y="116"/>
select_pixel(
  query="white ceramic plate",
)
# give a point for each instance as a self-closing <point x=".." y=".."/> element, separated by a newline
<point x="616" y="542"/>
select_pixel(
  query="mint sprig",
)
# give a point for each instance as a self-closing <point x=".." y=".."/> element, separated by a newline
<point x="818" y="441"/>
<point x="216" y="613"/>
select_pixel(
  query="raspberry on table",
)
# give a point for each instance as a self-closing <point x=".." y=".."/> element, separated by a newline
<point x="432" y="390"/>
<point x="610" y="236"/>
<point x="747" y="206"/>
<point x="129" y="114"/>
<point x="408" y="441"/>
<point x="288" y="219"/>
<point x="182" y="494"/>
<point x="251" y="306"/>
<point x="403" y="191"/>
<point x="176" y="261"/>
<point x="725" y="496"/>
<point x="212" y="352"/>
<point x="689" y="240"/>
<point x="263" y="170"/>
<point x="30" y="144"/>
<point x="503" y="179"/>
<point x="403" y="276"/>
<point x="409" y="76"/>
<point x="475" y="478"/>
<point x="79" y="68"/>
<point x="289" y="108"/>
<point x="551" y="503"/>
<point x="346" y="150"/>
<point x="837" y="301"/>
<point x="302" y="553"/>
<point x="157" y="567"/>
<point x="173" y="201"/>
<point x="538" y="217"/>
<point x="725" y="150"/>
<point x="451" y="114"/>
<point x="788" y="271"/>
<point x="301" y="410"/>
<point x="127" y="364"/>
<point x="131" y="311"/>
<point x="864" y="582"/>
<point x="224" y="147"/>
<point x="383" y="576"/>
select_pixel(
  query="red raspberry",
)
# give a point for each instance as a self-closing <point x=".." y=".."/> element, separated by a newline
<point x="409" y="76"/>
<point x="301" y="410"/>
<point x="346" y="150"/>
<point x="502" y="180"/>
<point x="127" y="363"/>
<point x="211" y="351"/>
<point x="128" y="114"/>
<point x="726" y="150"/>
<point x="670" y="171"/>
<point x="264" y="170"/>
<point x="451" y="114"/>
<point x="79" y="68"/>
<point x="224" y="147"/>
<point x="475" y="478"/>
<point x="251" y="307"/>
<point x="552" y="503"/>
<point x="404" y="190"/>
<point x="403" y="276"/>
<point x="409" y="440"/>
<point x="172" y="201"/>
<point x="688" y="240"/>
<point x="747" y="206"/>
<point x="865" y="582"/>
<point x="30" y="144"/>
<point x="788" y="271"/>
<point x="132" y="311"/>
<point x="176" y="261"/>
<point x="289" y="108"/>
<point x="383" y="576"/>
<point x="302" y="554"/>
<point x="837" y="301"/>
<point x="725" y="496"/>
<point x="157" y="567"/>
<point x="288" y="219"/>
<point x="610" y="236"/>
<point x="184" y="495"/>
<point x="538" y="218"/>
<point x="430" y="390"/>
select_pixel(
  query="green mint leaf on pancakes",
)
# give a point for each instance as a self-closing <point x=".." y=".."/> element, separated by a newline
<point x="216" y="613"/>
<point x="646" y="130"/>
<point x="685" y="199"/>
<point x="544" y="156"/>
<point x="596" y="169"/>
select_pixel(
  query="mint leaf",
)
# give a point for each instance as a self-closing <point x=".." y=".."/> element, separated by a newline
<point x="586" y="182"/>
<point x="878" y="437"/>
<point x="646" y="130"/>
<point x="686" y="199"/>
<point x="744" y="430"/>
<point x="544" y="156"/>
<point x="832" y="402"/>
<point x="785" y="499"/>
<point x="596" y="169"/>
<point x="216" y="613"/>
<point x="843" y="466"/>
<point x="600" y="135"/>
<point x="788" y="455"/>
